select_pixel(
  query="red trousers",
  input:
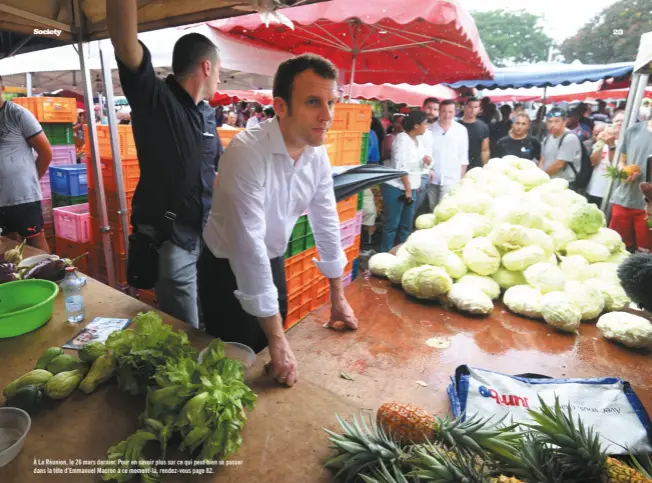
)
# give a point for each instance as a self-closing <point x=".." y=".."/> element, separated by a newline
<point x="631" y="226"/>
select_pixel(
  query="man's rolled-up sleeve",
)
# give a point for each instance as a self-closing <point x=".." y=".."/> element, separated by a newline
<point x="322" y="213"/>
<point x="241" y="192"/>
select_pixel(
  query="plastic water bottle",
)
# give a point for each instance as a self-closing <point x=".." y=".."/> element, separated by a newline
<point x="72" y="286"/>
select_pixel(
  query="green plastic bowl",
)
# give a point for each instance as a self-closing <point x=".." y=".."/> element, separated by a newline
<point x="25" y="305"/>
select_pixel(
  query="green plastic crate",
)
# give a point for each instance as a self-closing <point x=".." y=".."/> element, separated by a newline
<point x="301" y="227"/>
<point x="66" y="200"/>
<point x="310" y="241"/>
<point x="58" y="133"/>
<point x="360" y="200"/>
<point x="365" y="148"/>
<point x="296" y="246"/>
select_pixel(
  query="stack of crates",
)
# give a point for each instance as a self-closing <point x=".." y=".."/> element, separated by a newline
<point x="56" y="115"/>
<point x="348" y="137"/>
<point x="130" y="177"/>
<point x="307" y="288"/>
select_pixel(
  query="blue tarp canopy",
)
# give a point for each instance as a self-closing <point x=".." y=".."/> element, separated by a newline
<point x="548" y="75"/>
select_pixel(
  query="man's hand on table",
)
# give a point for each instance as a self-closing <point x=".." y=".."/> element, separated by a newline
<point x="341" y="311"/>
<point x="283" y="366"/>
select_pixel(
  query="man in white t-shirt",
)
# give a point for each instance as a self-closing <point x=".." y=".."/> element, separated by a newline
<point x="256" y="117"/>
<point x="450" y="154"/>
<point x="431" y="108"/>
<point x="601" y="157"/>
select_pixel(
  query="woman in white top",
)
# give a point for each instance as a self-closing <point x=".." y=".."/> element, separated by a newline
<point x="399" y="195"/>
<point x="602" y="156"/>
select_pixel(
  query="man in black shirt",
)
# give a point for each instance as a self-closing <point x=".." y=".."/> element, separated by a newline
<point x="175" y="135"/>
<point x="518" y="142"/>
<point x="478" y="134"/>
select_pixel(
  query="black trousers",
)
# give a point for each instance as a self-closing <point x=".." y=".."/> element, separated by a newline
<point x="594" y="199"/>
<point x="222" y="313"/>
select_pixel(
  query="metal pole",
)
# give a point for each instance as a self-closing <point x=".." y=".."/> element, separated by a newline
<point x="634" y="98"/>
<point x="28" y="83"/>
<point x="115" y="145"/>
<point x="352" y="77"/>
<point x="95" y="150"/>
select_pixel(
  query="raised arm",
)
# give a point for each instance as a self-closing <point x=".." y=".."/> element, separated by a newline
<point x="122" y="23"/>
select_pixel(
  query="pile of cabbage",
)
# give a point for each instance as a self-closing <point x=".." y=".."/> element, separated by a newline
<point x="508" y="229"/>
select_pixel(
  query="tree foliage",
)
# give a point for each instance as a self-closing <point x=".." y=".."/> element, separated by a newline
<point x="611" y="36"/>
<point x="512" y="37"/>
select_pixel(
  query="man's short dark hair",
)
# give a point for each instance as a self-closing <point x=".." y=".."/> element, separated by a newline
<point x="505" y="110"/>
<point x="190" y="50"/>
<point x="471" y="99"/>
<point x="269" y="112"/>
<point x="258" y="109"/>
<point x="428" y="100"/>
<point x="287" y="71"/>
<point x="447" y="102"/>
<point x="0" y="79"/>
<point x="413" y="119"/>
<point x="575" y="113"/>
<point x="518" y="105"/>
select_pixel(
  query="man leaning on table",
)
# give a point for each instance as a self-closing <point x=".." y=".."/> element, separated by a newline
<point x="268" y="177"/>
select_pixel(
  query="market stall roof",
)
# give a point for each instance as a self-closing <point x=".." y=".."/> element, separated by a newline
<point x="643" y="62"/>
<point x="595" y="95"/>
<point x="548" y="75"/>
<point x="21" y="18"/>
<point x="401" y="93"/>
<point x="413" y="41"/>
<point x="243" y="65"/>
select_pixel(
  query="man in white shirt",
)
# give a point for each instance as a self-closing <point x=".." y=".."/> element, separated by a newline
<point x="450" y="153"/>
<point x="431" y="108"/>
<point x="256" y="118"/>
<point x="268" y="177"/>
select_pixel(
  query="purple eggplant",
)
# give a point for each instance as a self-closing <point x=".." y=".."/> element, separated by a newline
<point x="8" y="272"/>
<point x="53" y="269"/>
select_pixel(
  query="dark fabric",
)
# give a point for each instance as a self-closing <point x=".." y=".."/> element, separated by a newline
<point x="222" y="313"/>
<point x="498" y="131"/>
<point x="595" y="200"/>
<point x="528" y="148"/>
<point x="168" y="130"/>
<point x="478" y="131"/>
<point x="25" y="219"/>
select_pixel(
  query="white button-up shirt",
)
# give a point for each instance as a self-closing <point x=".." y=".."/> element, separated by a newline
<point x="260" y="194"/>
<point x="450" y="151"/>
<point x="407" y="155"/>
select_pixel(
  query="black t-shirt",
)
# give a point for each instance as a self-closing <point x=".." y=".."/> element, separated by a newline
<point x="177" y="150"/>
<point x="496" y="132"/>
<point x="527" y="148"/>
<point x="478" y="132"/>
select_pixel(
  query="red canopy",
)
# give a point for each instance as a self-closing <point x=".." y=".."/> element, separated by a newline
<point x="401" y="93"/>
<point x="384" y="41"/>
<point x="223" y="98"/>
<point x="607" y="94"/>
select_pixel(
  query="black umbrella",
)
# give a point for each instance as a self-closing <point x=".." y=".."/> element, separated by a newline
<point x="358" y="178"/>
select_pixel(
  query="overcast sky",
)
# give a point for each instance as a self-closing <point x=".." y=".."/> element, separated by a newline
<point x="562" y="18"/>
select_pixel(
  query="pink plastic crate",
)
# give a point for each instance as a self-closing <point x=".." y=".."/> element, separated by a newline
<point x="46" y="208"/>
<point x="347" y="279"/>
<point x="45" y="185"/>
<point x="350" y="229"/>
<point x="73" y="222"/>
<point x="64" y="154"/>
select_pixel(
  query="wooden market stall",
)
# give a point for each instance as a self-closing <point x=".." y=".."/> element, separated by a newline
<point x="386" y="359"/>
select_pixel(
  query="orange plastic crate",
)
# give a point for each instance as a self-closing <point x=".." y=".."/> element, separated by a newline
<point x="333" y="146"/>
<point x="115" y="232"/>
<point x="299" y="263"/>
<point x="48" y="229"/>
<point x="70" y="249"/>
<point x="347" y="209"/>
<point x="130" y="174"/>
<point x="148" y="297"/>
<point x="227" y="134"/>
<point x="352" y="117"/>
<point x="126" y="142"/>
<point x="298" y="282"/>
<point x="50" y="109"/>
<point x="98" y="270"/>
<point x="112" y="204"/>
<point x="352" y="253"/>
<point x="351" y="149"/>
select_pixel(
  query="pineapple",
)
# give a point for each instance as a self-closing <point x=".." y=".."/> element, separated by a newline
<point x="364" y="450"/>
<point x="537" y="461"/>
<point x="578" y="449"/>
<point x="413" y="425"/>
<point x="434" y="464"/>
<point x="382" y="475"/>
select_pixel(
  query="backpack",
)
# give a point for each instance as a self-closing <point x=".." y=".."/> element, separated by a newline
<point x="586" y="168"/>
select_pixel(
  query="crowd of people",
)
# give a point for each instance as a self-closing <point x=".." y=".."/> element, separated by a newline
<point x="439" y="143"/>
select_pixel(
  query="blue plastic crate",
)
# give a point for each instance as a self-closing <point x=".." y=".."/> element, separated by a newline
<point x="354" y="270"/>
<point x="69" y="179"/>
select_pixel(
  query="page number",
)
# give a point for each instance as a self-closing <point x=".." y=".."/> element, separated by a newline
<point x="618" y="31"/>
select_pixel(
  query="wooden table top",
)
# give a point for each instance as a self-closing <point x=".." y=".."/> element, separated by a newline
<point x="283" y="438"/>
